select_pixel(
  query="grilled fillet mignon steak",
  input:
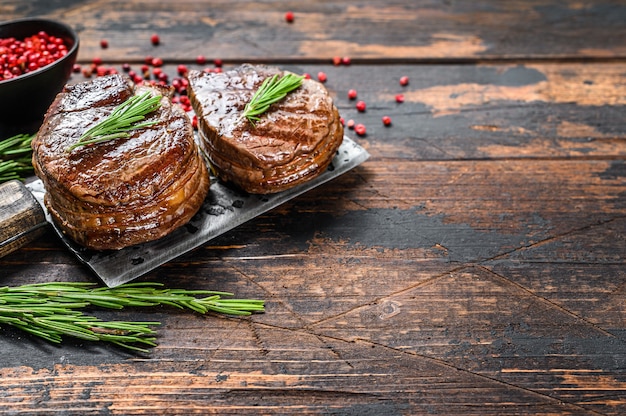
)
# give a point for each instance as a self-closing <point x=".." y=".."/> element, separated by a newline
<point x="124" y="191"/>
<point x="294" y="141"/>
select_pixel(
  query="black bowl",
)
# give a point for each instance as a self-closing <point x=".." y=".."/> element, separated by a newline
<point x="25" y="99"/>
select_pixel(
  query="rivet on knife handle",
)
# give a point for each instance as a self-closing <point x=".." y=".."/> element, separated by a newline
<point x="21" y="217"/>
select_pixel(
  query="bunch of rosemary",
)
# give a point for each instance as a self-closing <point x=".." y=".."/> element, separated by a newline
<point x="53" y="310"/>
<point x="15" y="157"/>
<point x="272" y="90"/>
<point x="129" y="115"/>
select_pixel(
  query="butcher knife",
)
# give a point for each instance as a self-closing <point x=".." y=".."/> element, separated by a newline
<point x="23" y="217"/>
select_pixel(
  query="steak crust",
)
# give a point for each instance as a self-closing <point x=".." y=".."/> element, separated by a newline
<point x="124" y="191"/>
<point x="295" y="140"/>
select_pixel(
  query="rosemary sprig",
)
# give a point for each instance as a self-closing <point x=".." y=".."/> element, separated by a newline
<point x="15" y="157"/>
<point x="127" y="116"/>
<point x="52" y="310"/>
<point x="272" y="90"/>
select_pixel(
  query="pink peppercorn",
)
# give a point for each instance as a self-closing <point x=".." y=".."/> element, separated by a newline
<point x="104" y="43"/>
<point x="387" y="120"/>
<point x="155" y="39"/>
<point x="350" y="124"/>
<point x="182" y="69"/>
<point x="218" y="62"/>
<point x="360" y="129"/>
<point x="289" y="17"/>
<point x="352" y="94"/>
<point x="101" y="71"/>
<point x="399" y="98"/>
<point x="404" y="80"/>
<point x="200" y="60"/>
<point x="360" y="105"/>
<point x="321" y="76"/>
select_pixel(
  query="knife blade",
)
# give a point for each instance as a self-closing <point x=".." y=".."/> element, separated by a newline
<point x="224" y="209"/>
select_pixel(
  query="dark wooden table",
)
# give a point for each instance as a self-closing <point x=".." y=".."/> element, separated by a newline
<point x="475" y="264"/>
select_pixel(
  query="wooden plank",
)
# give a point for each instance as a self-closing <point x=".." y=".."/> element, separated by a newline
<point x="363" y="30"/>
<point x="302" y="374"/>
<point x="481" y="322"/>
<point x="457" y="112"/>
<point x="591" y="276"/>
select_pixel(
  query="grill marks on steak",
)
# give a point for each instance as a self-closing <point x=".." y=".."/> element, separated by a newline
<point x="124" y="191"/>
<point x="295" y="140"/>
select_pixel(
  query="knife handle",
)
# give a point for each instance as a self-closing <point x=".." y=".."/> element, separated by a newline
<point x="21" y="217"/>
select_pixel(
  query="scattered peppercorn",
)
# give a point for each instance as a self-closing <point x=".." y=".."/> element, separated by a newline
<point x="346" y="60"/>
<point x="155" y="39"/>
<point x="360" y="129"/>
<point x="126" y="67"/>
<point x="404" y="80"/>
<point x="200" y="60"/>
<point x="387" y="120"/>
<point x="218" y="62"/>
<point x="104" y="43"/>
<point x="156" y="62"/>
<point x="337" y="60"/>
<point x="360" y="105"/>
<point x="350" y="124"/>
<point x="352" y="94"/>
<point x="321" y="76"/>
<point x="182" y="69"/>
<point x="289" y="17"/>
<point x="399" y="98"/>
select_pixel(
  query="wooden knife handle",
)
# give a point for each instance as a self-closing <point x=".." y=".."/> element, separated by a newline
<point x="21" y="217"/>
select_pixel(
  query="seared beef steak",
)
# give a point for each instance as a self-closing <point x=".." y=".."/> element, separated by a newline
<point x="295" y="140"/>
<point x="124" y="191"/>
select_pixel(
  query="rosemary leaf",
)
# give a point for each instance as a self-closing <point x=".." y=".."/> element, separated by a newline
<point x="124" y="118"/>
<point x="15" y="157"/>
<point x="272" y="90"/>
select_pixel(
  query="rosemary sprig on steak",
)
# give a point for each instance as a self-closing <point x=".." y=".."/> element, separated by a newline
<point x="15" y="157"/>
<point x="272" y="90"/>
<point x="53" y="310"/>
<point x="127" y="116"/>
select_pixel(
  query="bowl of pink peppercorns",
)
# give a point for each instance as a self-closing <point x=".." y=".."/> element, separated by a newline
<point x="36" y="60"/>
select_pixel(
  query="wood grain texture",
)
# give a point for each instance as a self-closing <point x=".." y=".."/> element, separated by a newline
<point x="475" y="264"/>
<point x="363" y="30"/>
